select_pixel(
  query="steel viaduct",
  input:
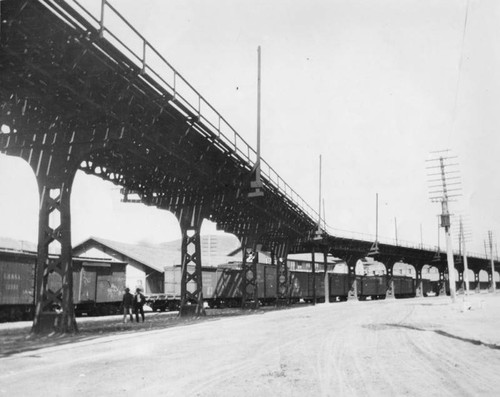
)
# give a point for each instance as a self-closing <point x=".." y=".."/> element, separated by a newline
<point x="74" y="96"/>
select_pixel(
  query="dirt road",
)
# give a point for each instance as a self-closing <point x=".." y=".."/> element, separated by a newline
<point x="415" y="347"/>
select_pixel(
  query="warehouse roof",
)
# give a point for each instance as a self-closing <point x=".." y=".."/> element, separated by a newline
<point x="215" y="250"/>
<point x="10" y="244"/>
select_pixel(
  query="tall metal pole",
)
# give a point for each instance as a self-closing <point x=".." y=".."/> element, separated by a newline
<point x="258" y="113"/>
<point x="396" y="229"/>
<point x="257" y="183"/>
<point x="466" y="266"/>
<point x="445" y="222"/>
<point x="439" y="238"/>
<point x="421" y="238"/>
<point x="319" y="198"/>
<point x="376" y="218"/>
<point x="324" y="215"/>
<point x="490" y="237"/>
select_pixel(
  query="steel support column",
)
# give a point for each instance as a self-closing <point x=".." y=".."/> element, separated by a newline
<point x="54" y="276"/>
<point x="461" y="283"/>
<point x="313" y="268"/>
<point x="327" y="284"/>
<point x="442" y="282"/>
<point x="390" y="293"/>
<point x="491" y="280"/>
<point x="282" y="281"/>
<point x="352" y="294"/>
<point x="191" y="219"/>
<point x="250" y="297"/>
<point x="476" y="280"/>
<point x="54" y="172"/>
<point x="419" y="285"/>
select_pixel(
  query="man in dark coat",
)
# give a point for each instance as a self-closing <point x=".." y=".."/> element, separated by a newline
<point x="128" y="301"/>
<point x="139" y="300"/>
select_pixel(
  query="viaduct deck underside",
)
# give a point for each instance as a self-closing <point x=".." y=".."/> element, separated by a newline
<point x="353" y="250"/>
<point x="63" y="89"/>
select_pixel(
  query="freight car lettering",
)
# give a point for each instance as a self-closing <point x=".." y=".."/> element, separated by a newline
<point x="11" y="276"/>
<point x="12" y="287"/>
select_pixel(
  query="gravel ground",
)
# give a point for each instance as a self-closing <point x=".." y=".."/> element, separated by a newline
<point x="15" y="337"/>
<point x="414" y="347"/>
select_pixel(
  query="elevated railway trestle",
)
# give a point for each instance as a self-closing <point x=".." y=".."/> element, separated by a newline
<point x="74" y="96"/>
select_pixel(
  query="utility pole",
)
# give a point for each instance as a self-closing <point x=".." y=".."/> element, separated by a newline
<point x="396" y="229"/>
<point x="442" y="194"/>
<point x="318" y="232"/>
<point x="464" y="253"/>
<point x="374" y="251"/>
<point x="490" y="238"/>
<point x="256" y="184"/>
<point x="421" y="238"/>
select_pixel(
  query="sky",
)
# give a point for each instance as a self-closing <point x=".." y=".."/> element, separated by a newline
<point x="373" y="86"/>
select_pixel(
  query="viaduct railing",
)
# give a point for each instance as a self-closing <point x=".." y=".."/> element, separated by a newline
<point x="114" y="28"/>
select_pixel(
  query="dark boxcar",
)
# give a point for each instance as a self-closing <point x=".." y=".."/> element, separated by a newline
<point x="404" y="287"/>
<point x="373" y="287"/>
<point x="227" y="291"/>
<point x="261" y="281"/>
<point x="299" y="285"/>
<point x="271" y="284"/>
<point x="266" y="283"/>
<point x="97" y="285"/>
<point x="320" y="287"/>
<point x="17" y="275"/>
<point x="484" y="285"/>
<point x="16" y="282"/>
<point x="339" y="286"/>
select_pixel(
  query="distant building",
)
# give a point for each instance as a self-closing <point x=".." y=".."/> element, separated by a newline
<point x="146" y="262"/>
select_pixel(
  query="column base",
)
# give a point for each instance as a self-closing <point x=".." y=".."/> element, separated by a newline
<point x="54" y="323"/>
<point x="192" y="311"/>
<point x="282" y="302"/>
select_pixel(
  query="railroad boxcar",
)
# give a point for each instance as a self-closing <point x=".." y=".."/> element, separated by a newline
<point x="404" y="287"/>
<point x="97" y="285"/>
<point x="266" y="283"/>
<point x="430" y="288"/>
<point x="299" y="285"/>
<point x="228" y="287"/>
<point x="17" y="278"/>
<point x="484" y="285"/>
<point x="229" y="284"/>
<point x="373" y="287"/>
<point x="171" y="298"/>
<point x="320" y="287"/>
<point x="339" y="286"/>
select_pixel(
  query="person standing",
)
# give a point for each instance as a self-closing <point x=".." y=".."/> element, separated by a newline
<point x="139" y="300"/>
<point x="127" y="302"/>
